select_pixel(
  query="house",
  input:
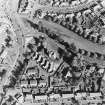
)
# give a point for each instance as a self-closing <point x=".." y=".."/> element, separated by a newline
<point x="32" y="72"/>
<point x="24" y="77"/>
<point x="70" y="16"/>
<point x="90" y="0"/>
<point x="26" y="90"/>
<point x="79" y="17"/>
<point x="102" y="12"/>
<point x="95" y="96"/>
<point x="33" y="83"/>
<point x="56" y="89"/>
<point x="67" y="97"/>
<point x="28" y="98"/>
<point x="101" y="70"/>
<point x="103" y="3"/>
<point x="92" y="68"/>
<point x="87" y="11"/>
<point x="87" y="32"/>
<point x="64" y="89"/>
<point x="83" y="94"/>
<point x="35" y="91"/>
<point x="50" y="69"/>
<point x="68" y="74"/>
<point x="40" y="58"/>
<point x="103" y="39"/>
<point x="64" y="4"/>
<point x="41" y="98"/>
<point x="97" y="8"/>
<point x="83" y="1"/>
<point x="42" y="90"/>
<point x="30" y="4"/>
<point x="78" y="96"/>
<point x="36" y="56"/>
<point x="53" y="55"/>
<point x="75" y="3"/>
<point x="47" y="65"/>
<point x="24" y="83"/>
<point x="56" y="3"/>
<point x="54" y="97"/>
<point x="43" y="61"/>
<point x="42" y="83"/>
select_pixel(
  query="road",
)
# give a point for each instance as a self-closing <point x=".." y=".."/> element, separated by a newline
<point x="66" y="9"/>
<point x="20" y="42"/>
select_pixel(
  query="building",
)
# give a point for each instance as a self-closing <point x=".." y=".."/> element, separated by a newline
<point x="41" y="98"/>
<point x="26" y="90"/>
<point x="96" y="95"/>
<point x="97" y="8"/>
<point x="24" y="83"/>
<point x="54" y="97"/>
<point x="67" y="97"/>
<point x="50" y="70"/>
<point x="24" y="77"/>
<point x="28" y="98"/>
<point x="75" y="3"/>
<point x="103" y="3"/>
<point x="83" y="1"/>
<point x="35" y="91"/>
<point x="42" y="83"/>
<point x="33" y="83"/>
<point x="33" y="72"/>
<point x="43" y="90"/>
<point x="64" y="4"/>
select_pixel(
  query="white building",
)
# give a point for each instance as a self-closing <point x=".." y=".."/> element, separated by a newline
<point x="103" y="3"/>
<point x="95" y="94"/>
<point x="66" y="96"/>
<point x="28" y="98"/>
<point x="54" y="97"/>
<point x="103" y="77"/>
<point x="42" y="83"/>
<point x="83" y="1"/>
<point x="75" y="3"/>
<point x="24" y="83"/>
<point x="64" y="4"/>
<point x="101" y="70"/>
<point x="33" y="83"/>
<point x="87" y="11"/>
<point x="97" y="8"/>
<point x="42" y="98"/>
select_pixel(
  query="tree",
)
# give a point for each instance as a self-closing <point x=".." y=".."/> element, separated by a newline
<point x="73" y="47"/>
<point x="20" y="64"/>
<point x="10" y="99"/>
<point x="30" y="46"/>
<point x="18" y="69"/>
<point x="2" y="49"/>
<point x="7" y="40"/>
<point x="2" y="72"/>
<point x="4" y="103"/>
<point x="60" y="52"/>
<point x="12" y="81"/>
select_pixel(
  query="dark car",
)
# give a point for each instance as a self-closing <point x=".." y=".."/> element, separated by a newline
<point x="17" y="95"/>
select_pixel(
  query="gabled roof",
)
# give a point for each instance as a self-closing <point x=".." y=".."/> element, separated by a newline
<point x="54" y="96"/>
